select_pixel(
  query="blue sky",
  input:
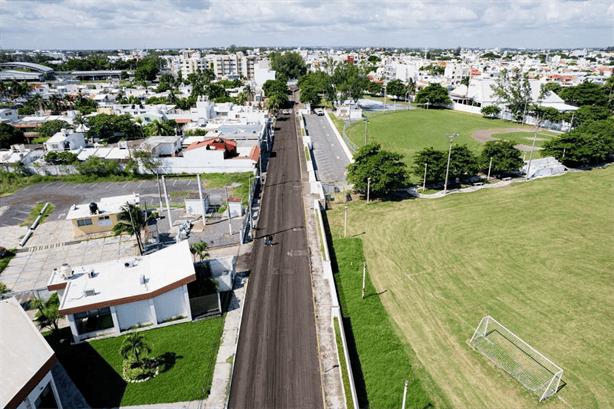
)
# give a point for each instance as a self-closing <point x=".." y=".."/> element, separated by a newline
<point x="54" y="24"/>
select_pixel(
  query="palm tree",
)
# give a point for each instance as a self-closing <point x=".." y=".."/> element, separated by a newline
<point x="249" y="92"/>
<point x="132" y="221"/>
<point x="48" y="314"/>
<point x="139" y="122"/>
<point x="136" y="346"/>
<point x="199" y="248"/>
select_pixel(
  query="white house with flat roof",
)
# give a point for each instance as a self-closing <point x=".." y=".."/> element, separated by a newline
<point x="114" y="296"/>
<point x="101" y="216"/>
<point x="65" y="140"/>
<point x="26" y="361"/>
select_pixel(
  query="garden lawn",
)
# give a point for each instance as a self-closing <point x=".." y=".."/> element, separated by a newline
<point x="188" y="350"/>
<point x="383" y="363"/>
<point x="535" y="256"/>
<point x="408" y="132"/>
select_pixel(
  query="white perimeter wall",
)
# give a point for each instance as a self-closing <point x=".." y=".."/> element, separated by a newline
<point x="133" y="314"/>
<point x="171" y="304"/>
<point x="38" y="389"/>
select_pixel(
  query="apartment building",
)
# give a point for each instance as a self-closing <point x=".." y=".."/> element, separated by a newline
<point x="234" y="65"/>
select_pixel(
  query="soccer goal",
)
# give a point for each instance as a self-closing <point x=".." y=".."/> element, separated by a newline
<point x="510" y="353"/>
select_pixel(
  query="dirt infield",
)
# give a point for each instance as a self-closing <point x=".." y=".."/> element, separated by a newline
<point x="485" y="135"/>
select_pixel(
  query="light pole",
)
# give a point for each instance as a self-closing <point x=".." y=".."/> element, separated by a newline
<point x="445" y="186"/>
<point x="345" y="228"/>
<point x="428" y="101"/>
<point x="366" y="122"/>
<point x="424" y="181"/>
<point x="489" y="167"/>
<point x="532" y="148"/>
<point x="368" y="188"/>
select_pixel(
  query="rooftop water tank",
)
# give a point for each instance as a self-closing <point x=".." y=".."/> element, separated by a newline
<point x="93" y="208"/>
<point x="66" y="271"/>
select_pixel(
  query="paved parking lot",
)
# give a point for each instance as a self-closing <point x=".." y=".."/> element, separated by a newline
<point x="32" y="268"/>
<point x="14" y="209"/>
<point x="329" y="157"/>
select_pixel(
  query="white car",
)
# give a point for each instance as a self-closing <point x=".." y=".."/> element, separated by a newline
<point x="286" y="112"/>
<point x="319" y="112"/>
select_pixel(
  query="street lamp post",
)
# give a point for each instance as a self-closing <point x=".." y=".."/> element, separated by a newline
<point x="345" y="228"/>
<point x="368" y="188"/>
<point x="428" y="101"/>
<point x="366" y="122"/>
<point x="445" y="186"/>
<point x="532" y="148"/>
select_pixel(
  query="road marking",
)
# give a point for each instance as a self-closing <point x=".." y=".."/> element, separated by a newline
<point x="27" y="187"/>
<point x="60" y="216"/>
<point x="63" y="184"/>
<point x="141" y="184"/>
<point x="76" y="186"/>
<point x="174" y="181"/>
<point x="108" y="186"/>
<point x="125" y="185"/>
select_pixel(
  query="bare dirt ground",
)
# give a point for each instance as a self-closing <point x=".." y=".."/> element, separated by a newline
<point x="485" y="135"/>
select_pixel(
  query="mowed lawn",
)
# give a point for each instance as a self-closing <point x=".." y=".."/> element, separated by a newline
<point x="535" y="256"/>
<point x="187" y="350"/>
<point x="408" y="132"/>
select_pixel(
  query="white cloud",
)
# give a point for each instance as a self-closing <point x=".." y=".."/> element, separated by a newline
<point x="127" y="24"/>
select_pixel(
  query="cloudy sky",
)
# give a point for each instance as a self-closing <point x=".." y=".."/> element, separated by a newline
<point x="55" y="24"/>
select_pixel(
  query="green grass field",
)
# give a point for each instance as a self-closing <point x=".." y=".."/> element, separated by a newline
<point x="535" y="256"/>
<point x="188" y="350"/>
<point x="408" y="132"/>
<point x="526" y="138"/>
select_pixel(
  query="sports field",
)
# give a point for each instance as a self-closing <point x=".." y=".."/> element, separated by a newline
<point x="535" y="256"/>
<point x="408" y="132"/>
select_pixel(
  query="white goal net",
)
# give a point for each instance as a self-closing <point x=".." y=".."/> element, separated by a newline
<point x="510" y="353"/>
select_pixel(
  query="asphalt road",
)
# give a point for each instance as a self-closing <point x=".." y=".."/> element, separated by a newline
<point x="329" y="157"/>
<point x="14" y="209"/>
<point x="277" y="362"/>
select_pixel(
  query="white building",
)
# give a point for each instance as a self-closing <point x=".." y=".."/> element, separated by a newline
<point x="65" y="140"/>
<point x="263" y="73"/>
<point x="161" y="145"/>
<point x="234" y="66"/>
<point x="114" y="296"/>
<point x="8" y="115"/>
<point x="27" y="359"/>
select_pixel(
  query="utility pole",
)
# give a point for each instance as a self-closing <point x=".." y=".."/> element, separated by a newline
<point x="489" y="167"/>
<point x="202" y="202"/>
<point x="168" y="208"/>
<point x="405" y="394"/>
<point x="159" y="191"/>
<point x="345" y="228"/>
<point x="424" y="181"/>
<point x="445" y="187"/>
<point x="364" y="273"/>
<point x="532" y="148"/>
<point x="368" y="188"/>
<point x="228" y="209"/>
<point x="366" y="122"/>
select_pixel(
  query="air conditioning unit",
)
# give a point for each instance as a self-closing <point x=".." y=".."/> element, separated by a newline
<point x="91" y="273"/>
<point x="88" y="292"/>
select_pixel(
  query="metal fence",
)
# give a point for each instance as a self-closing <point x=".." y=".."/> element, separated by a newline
<point x="205" y="304"/>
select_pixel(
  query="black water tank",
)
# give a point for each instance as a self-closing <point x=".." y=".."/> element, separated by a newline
<point x="93" y="208"/>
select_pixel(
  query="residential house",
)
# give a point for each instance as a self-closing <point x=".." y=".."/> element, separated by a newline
<point x="112" y="297"/>
<point x="27" y="359"/>
<point x="65" y="140"/>
<point x="99" y="217"/>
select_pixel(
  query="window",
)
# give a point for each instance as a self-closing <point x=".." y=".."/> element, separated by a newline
<point x="93" y="320"/>
<point x="104" y="221"/>
<point x="84" y="222"/>
<point x="46" y="399"/>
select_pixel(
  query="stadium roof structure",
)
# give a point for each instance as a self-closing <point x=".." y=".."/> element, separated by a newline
<point x="28" y="65"/>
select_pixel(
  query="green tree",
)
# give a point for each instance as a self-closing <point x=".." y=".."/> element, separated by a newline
<point x="435" y="165"/>
<point x="386" y="170"/>
<point x="350" y="81"/>
<point x="512" y="88"/>
<point x="311" y="96"/>
<point x="589" y="144"/>
<point x="289" y="64"/>
<point x="60" y="158"/>
<point x="490" y="111"/>
<point x="434" y="94"/>
<point x="132" y="221"/>
<point x="271" y="87"/>
<point x="586" y="93"/>
<point x="374" y="88"/>
<point x="134" y="346"/>
<point x="105" y="126"/>
<point x="50" y="128"/>
<point x="48" y="315"/>
<point x="396" y="88"/>
<point x="96" y="166"/>
<point x="196" y="132"/>
<point x="463" y="163"/>
<point x="9" y="135"/>
<point x="588" y="113"/>
<point x="505" y="158"/>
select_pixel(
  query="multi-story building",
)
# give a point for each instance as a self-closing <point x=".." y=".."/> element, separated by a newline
<point x="191" y="61"/>
<point x="234" y="65"/>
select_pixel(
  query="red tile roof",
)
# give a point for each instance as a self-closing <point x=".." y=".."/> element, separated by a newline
<point x="234" y="199"/>
<point x="254" y="153"/>
<point x="228" y="142"/>
<point x="183" y="120"/>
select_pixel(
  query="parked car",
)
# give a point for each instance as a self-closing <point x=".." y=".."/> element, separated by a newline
<point x="320" y="112"/>
<point x="286" y="112"/>
<point x="3" y="252"/>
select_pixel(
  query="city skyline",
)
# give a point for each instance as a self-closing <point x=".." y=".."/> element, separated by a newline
<point x="398" y="24"/>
